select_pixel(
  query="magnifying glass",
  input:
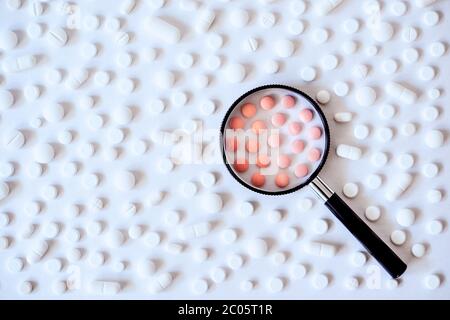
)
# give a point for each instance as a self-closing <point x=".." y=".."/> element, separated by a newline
<point x="275" y="140"/>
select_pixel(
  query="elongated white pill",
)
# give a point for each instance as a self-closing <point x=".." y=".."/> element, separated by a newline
<point x="324" y="7"/>
<point x="399" y="185"/>
<point x="343" y="117"/>
<point x="321" y="249"/>
<point x="400" y="92"/>
<point x="127" y="6"/>
<point x="424" y="3"/>
<point x="19" y="64"/>
<point x="348" y="152"/>
<point x="163" y="30"/>
<point x="197" y="230"/>
<point x="37" y="251"/>
<point x="105" y="287"/>
<point x="205" y="19"/>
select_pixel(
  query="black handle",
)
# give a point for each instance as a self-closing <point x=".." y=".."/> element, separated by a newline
<point x="374" y="245"/>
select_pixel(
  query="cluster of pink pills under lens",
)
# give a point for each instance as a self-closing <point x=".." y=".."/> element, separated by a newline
<point x="274" y="129"/>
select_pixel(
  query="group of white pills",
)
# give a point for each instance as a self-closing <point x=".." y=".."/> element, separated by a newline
<point x="90" y="171"/>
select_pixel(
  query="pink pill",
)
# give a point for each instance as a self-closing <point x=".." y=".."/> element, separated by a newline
<point x="284" y="161"/>
<point x="241" y="165"/>
<point x="282" y="180"/>
<point x="263" y="161"/>
<point x="267" y="102"/>
<point x="306" y="115"/>
<point x="301" y="171"/>
<point x="258" y="126"/>
<point x="258" y="180"/>
<point x="237" y="123"/>
<point x="288" y="101"/>
<point x="278" y="119"/>
<point x="315" y="133"/>
<point x="297" y="146"/>
<point x="274" y="140"/>
<point x="232" y="144"/>
<point x="252" y="146"/>
<point x="295" y="128"/>
<point x="248" y="110"/>
<point x="314" y="155"/>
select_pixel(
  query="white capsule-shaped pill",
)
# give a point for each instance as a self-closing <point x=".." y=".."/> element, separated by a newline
<point x="18" y="64"/>
<point x="204" y="20"/>
<point x="321" y="249"/>
<point x="163" y="30"/>
<point x="37" y="251"/>
<point x="324" y="7"/>
<point x="105" y="287"/>
<point x="197" y="230"/>
<point x="343" y="117"/>
<point x="400" y="92"/>
<point x="348" y="152"/>
<point x="127" y="6"/>
<point x="400" y="183"/>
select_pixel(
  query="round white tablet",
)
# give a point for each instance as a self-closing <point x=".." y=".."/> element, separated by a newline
<point x="361" y="131"/>
<point x="43" y="153"/>
<point x="320" y="281"/>
<point x="320" y="226"/>
<point x="405" y="217"/>
<point x="435" y="227"/>
<point x="432" y="281"/>
<point x="341" y="89"/>
<point x="275" y="285"/>
<point x="430" y="170"/>
<point x="257" y="248"/>
<point x="6" y="99"/>
<point x="323" y="96"/>
<point x="352" y="283"/>
<point x="359" y="259"/>
<point x="246" y="209"/>
<point x="229" y="236"/>
<point x="235" y="261"/>
<point x="239" y="18"/>
<point x="405" y="161"/>
<point x="434" y="139"/>
<point x="430" y="113"/>
<point x="298" y="271"/>
<point x="434" y="196"/>
<point x="235" y="72"/>
<point x="431" y="18"/>
<point x="284" y="48"/>
<point x="212" y="203"/>
<point x="305" y="204"/>
<point x="308" y="74"/>
<point x="218" y="275"/>
<point x="365" y="96"/>
<point x="398" y="237"/>
<point x="8" y="40"/>
<point x="124" y="180"/>
<point x="418" y="250"/>
<point x="383" y="32"/>
<point x="350" y="190"/>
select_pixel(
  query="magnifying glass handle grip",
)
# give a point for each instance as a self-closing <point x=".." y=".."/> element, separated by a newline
<point x="374" y="245"/>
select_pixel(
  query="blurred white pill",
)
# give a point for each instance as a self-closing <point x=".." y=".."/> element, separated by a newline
<point x="435" y="227"/>
<point x="432" y="281"/>
<point x="211" y="203"/>
<point x="405" y="217"/>
<point x="398" y="237"/>
<point x="418" y="250"/>
<point x="372" y="213"/>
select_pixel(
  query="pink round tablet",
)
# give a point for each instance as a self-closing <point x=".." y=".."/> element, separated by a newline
<point x="258" y="126"/>
<point x="263" y="161"/>
<point x="274" y="140"/>
<point x="306" y="115"/>
<point x="288" y="101"/>
<point x="267" y="102"/>
<point x="258" y="180"/>
<point x="315" y="133"/>
<point x="252" y="145"/>
<point x="237" y="123"/>
<point x="278" y="119"/>
<point x="297" y="146"/>
<point x="295" y="128"/>
<point x="282" y="180"/>
<point x="314" y="155"/>
<point x="284" y="161"/>
<point x="301" y="171"/>
<point x="241" y="165"/>
<point x="248" y="110"/>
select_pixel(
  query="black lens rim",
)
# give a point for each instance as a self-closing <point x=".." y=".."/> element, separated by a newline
<point x="316" y="107"/>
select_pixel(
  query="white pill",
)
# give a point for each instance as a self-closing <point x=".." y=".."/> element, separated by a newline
<point x="178" y="98"/>
<point x="323" y="97"/>
<point x="59" y="287"/>
<point x="239" y="18"/>
<point x="379" y="159"/>
<point x="235" y="72"/>
<point x="53" y="112"/>
<point x="398" y="8"/>
<point x="8" y="40"/>
<point x="365" y="96"/>
<point x="320" y="226"/>
<point x="372" y="51"/>
<point x="405" y="217"/>
<point x="246" y="209"/>
<point x="431" y="18"/>
<point x="348" y="152"/>
<point x="410" y="55"/>
<point x="361" y="132"/>
<point x="91" y="22"/>
<point x="31" y="92"/>
<point x="320" y="281"/>
<point x="432" y="281"/>
<point x="77" y="78"/>
<point x="343" y="117"/>
<point x="275" y="285"/>
<point x="372" y="213"/>
<point x="384" y="134"/>
<point x="308" y="74"/>
<point x="434" y="196"/>
<point x="284" y="48"/>
<point x="424" y="3"/>
<point x="274" y="216"/>
<point x="408" y="129"/>
<point x="211" y="203"/>
<point x="164" y="79"/>
<point x="350" y="190"/>
<point x="122" y="38"/>
<point x="400" y="183"/>
<point x="430" y="170"/>
<point x="434" y="139"/>
<point x="157" y="4"/>
<point x="271" y="66"/>
<point x="215" y="41"/>
<point x="6" y="169"/>
<point x="351" y="26"/>
<point x="18" y="64"/>
<point x="43" y="153"/>
<point x="26" y="287"/>
<point x="204" y="20"/>
<point x="163" y="30"/>
<point x="200" y="286"/>
<point x="257" y="248"/>
<point x="320" y="35"/>
<point x="51" y="230"/>
<point x="4" y="190"/>
<point x="4" y="243"/>
<point x="146" y="267"/>
<point x="360" y="71"/>
<point x="4" y="219"/>
<point x="165" y="165"/>
<point x="15" y="264"/>
<point x="435" y="227"/>
<point x="218" y="275"/>
<point x="13" y="139"/>
<point x="235" y="261"/>
<point x="74" y="255"/>
<point x="426" y="73"/>
<point x="352" y="283"/>
<point x="157" y="106"/>
<point x="341" y="89"/>
<point x="296" y="27"/>
<point x="125" y="85"/>
<point x="229" y="236"/>
<point x="389" y="66"/>
<point x="359" y="259"/>
<point x="14" y="4"/>
<point x="321" y="249"/>
<point x="208" y="179"/>
<point x="152" y="239"/>
<point x="329" y="62"/>
<point x="409" y="34"/>
<point x="6" y="99"/>
<point x="161" y="282"/>
<point x="418" y="250"/>
<point x="185" y="60"/>
<point x="400" y="92"/>
<point x="37" y="251"/>
<point x="105" y="287"/>
<point x="382" y="31"/>
<point x="387" y="111"/>
<point x="437" y="49"/>
<point x="405" y="161"/>
<point x="289" y="234"/>
<point x="54" y="265"/>
<point x="398" y="237"/>
<point x="324" y="7"/>
<point x="127" y="6"/>
<point x="298" y="271"/>
<point x="124" y="180"/>
<point x="430" y="113"/>
<point x="57" y="37"/>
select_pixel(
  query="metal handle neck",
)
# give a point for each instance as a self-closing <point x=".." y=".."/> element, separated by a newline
<point x="321" y="189"/>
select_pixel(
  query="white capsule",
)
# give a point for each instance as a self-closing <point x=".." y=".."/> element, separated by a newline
<point x="19" y="64"/>
<point x="400" y="92"/>
<point x="321" y="249"/>
<point x="37" y="251"/>
<point x="324" y="7"/>
<point x="343" y="117"/>
<point x="348" y="152"/>
<point x="163" y="30"/>
<point x="105" y="287"/>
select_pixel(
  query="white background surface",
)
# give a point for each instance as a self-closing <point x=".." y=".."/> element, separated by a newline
<point x="183" y="266"/>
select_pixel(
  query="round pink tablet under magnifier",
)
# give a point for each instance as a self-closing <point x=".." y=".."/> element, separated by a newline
<point x="275" y="140"/>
